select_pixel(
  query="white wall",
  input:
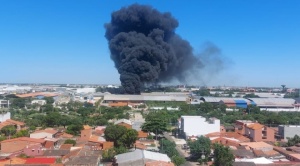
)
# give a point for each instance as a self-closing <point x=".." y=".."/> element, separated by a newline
<point x="197" y="126"/>
<point x="4" y="117"/>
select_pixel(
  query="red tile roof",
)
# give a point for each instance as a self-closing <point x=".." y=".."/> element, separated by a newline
<point x="255" y="126"/>
<point x="142" y="134"/>
<point x="40" y="161"/>
<point x="51" y="131"/>
<point x="34" y="140"/>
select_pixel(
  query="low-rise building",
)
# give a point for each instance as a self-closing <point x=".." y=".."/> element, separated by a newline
<point x="285" y="131"/>
<point x="124" y="122"/>
<point x="17" y="145"/>
<point x="48" y="133"/>
<point x="140" y="158"/>
<point x="194" y="126"/>
<point x="19" y="125"/>
<point x="257" y="132"/>
<point x="39" y="102"/>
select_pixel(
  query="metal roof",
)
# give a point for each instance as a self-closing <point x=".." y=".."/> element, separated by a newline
<point x="273" y="102"/>
<point x="144" y="97"/>
<point x="141" y="155"/>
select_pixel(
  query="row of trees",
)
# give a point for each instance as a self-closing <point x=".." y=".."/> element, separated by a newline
<point x="169" y="148"/>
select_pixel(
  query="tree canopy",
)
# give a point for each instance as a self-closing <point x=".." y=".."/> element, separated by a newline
<point x="200" y="147"/>
<point x="222" y="155"/>
<point x="120" y="135"/>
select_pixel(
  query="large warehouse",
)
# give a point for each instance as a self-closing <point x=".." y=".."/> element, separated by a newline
<point x="268" y="104"/>
<point x="123" y="100"/>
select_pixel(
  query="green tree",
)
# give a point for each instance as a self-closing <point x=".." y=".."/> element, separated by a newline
<point x="108" y="155"/>
<point x="178" y="160"/>
<point x="200" y="147"/>
<point x="49" y="100"/>
<point x="120" y="135"/>
<point x="22" y="133"/>
<point x="168" y="147"/>
<point x="251" y="95"/>
<point x="74" y="129"/>
<point x="128" y="138"/>
<point x="52" y="119"/>
<point x="114" y="133"/>
<point x="293" y="141"/>
<point x="9" y="130"/>
<point x="70" y="141"/>
<point x="155" y="125"/>
<point x="222" y="155"/>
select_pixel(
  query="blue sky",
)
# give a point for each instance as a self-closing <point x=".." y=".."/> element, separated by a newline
<point x="62" y="41"/>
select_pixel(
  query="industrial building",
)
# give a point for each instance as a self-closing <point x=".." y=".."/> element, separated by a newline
<point x="192" y="127"/>
<point x="126" y="99"/>
<point x="274" y="104"/>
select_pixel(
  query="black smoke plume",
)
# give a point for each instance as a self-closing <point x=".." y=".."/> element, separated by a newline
<point x="146" y="49"/>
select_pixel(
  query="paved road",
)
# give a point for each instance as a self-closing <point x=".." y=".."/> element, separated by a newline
<point x="181" y="152"/>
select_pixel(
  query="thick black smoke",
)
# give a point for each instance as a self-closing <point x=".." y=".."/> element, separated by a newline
<point x="146" y="49"/>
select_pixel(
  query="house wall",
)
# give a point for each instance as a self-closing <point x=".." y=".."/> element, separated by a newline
<point x="41" y="135"/>
<point x="197" y="126"/>
<point x="86" y="134"/>
<point x="270" y="134"/>
<point x="288" y="131"/>
<point x="257" y="135"/>
<point x="35" y="150"/>
<point x="4" y="117"/>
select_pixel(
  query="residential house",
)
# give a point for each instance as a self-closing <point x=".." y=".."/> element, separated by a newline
<point x="19" y="125"/>
<point x="86" y="133"/>
<point x="40" y="160"/>
<point x="140" y="158"/>
<point x="17" y="145"/>
<point x="33" y="150"/>
<point x="47" y="133"/>
<point x="56" y="153"/>
<point x="84" y="161"/>
<point x="240" y="125"/>
<point x="257" y="146"/>
<point x="285" y="131"/>
<point x="257" y="132"/>
<point x="12" y="161"/>
<point x="39" y="102"/>
<point x="124" y="122"/>
<point x="159" y="163"/>
<point x="142" y="135"/>
<point x="194" y="126"/>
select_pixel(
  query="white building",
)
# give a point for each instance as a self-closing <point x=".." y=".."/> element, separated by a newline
<point x="86" y="90"/>
<point x="195" y="126"/>
<point x="140" y="157"/>
<point x="39" y="102"/>
<point x="4" y="116"/>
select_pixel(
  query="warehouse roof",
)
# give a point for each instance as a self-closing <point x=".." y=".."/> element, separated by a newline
<point x="145" y="97"/>
<point x="273" y="102"/>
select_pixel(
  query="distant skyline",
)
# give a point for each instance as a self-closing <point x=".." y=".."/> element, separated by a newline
<point x="62" y="41"/>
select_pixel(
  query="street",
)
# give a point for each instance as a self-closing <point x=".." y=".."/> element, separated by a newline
<point x="181" y="152"/>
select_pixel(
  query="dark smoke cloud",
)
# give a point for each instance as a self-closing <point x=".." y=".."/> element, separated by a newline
<point x="146" y="49"/>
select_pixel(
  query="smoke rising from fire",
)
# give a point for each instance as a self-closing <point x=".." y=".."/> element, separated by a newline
<point x="146" y="49"/>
